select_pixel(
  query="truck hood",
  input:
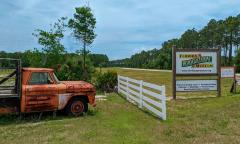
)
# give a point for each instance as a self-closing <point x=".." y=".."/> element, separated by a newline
<point x="78" y="86"/>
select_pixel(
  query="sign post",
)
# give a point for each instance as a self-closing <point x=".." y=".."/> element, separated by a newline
<point x="193" y="63"/>
<point x="174" y="73"/>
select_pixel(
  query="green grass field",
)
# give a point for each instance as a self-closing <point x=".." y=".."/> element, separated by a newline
<point x="165" y="78"/>
<point x="212" y="120"/>
<point x="115" y="121"/>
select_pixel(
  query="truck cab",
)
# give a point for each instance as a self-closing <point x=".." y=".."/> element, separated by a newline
<point x="40" y="90"/>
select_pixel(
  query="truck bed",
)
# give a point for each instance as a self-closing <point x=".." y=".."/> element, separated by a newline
<point x="10" y="78"/>
<point x="6" y="92"/>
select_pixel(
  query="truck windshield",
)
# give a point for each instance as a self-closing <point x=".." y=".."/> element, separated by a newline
<point x="55" y="77"/>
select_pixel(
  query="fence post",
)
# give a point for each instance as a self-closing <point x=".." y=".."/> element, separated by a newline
<point x="127" y="89"/>
<point x="118" y="84"/>
<point x="141" y="94"/>
<point x="164" y="103"/>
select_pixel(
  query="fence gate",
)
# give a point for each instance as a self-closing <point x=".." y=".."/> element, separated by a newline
<point x="146" y="95"/>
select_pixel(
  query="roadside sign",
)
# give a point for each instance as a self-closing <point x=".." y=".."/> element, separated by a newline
<point x="196" y="62"/>
<point x="228" y="72"/>
<point x="196" y="85"/>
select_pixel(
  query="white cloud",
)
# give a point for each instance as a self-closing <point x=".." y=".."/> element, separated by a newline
<point x="123" y="27"/>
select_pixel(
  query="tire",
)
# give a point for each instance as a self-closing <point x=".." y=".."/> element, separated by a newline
<point x="77" y="107"/>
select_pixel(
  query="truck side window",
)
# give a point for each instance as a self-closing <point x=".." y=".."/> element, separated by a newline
<point x="40" y="78"/>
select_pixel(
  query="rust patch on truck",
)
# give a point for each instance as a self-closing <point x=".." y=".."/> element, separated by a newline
<point x="63" y="100"/>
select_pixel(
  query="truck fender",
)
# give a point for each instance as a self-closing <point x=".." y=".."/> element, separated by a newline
<point x="64" y="99"/>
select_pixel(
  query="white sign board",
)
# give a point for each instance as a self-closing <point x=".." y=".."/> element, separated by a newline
<point x="227" y="72"/>
<point x="196" y="62"/>
<point x="196" y="85"/>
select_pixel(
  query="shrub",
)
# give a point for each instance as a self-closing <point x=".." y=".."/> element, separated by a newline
<point x="73" y="70"/>
<point x="106" y="81"/>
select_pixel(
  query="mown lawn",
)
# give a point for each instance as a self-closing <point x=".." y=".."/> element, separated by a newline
<point x="165" y="78"/>
<point x="115" y="121"/>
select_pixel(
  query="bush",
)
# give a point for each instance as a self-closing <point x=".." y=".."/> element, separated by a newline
<point x="106" y="81"/>
<point x="73" y="70"/>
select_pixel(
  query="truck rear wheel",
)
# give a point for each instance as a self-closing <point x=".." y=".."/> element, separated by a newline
<point x="77" y="107"/>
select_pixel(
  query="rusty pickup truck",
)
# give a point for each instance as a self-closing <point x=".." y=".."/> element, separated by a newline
<point x="26" y="90"/>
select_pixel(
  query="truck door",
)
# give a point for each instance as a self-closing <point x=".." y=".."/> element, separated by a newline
<point x="41" y="93"/>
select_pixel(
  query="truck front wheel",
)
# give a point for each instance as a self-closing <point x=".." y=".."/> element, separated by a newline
<point x="77" y="107"/>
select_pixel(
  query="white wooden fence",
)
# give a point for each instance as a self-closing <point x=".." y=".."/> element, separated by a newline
<point x="145" y="95"/>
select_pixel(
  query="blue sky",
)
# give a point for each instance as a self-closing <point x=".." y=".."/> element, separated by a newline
<point x="123" y="27"/>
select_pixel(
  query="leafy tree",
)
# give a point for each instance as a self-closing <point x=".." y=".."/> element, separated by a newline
<point x="83" y="25"/>
<point x="32" y="58"/>
<point x="72" y="68"/>
<point x="190" y="39"/>
<point x="52" y="47"/>
<point x="99" y="60"/>
<point x="232" y="25"/>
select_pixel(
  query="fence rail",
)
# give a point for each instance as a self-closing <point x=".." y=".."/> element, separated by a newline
<point x="146" y="95"/>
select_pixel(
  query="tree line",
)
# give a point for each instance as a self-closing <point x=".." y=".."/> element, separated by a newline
<point x="36" y="58"/>
<point x="223" y="34"/>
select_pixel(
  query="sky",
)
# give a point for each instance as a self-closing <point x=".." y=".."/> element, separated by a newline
<point x="124" y="27"/>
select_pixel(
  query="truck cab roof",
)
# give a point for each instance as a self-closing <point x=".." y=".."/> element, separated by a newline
<point x="38" y="69"/>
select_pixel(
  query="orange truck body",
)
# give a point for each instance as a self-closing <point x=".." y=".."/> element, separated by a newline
<point x="49" y="97"/>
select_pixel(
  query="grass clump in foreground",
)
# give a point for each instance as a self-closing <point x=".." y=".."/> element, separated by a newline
<point x="114" y="121"/>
